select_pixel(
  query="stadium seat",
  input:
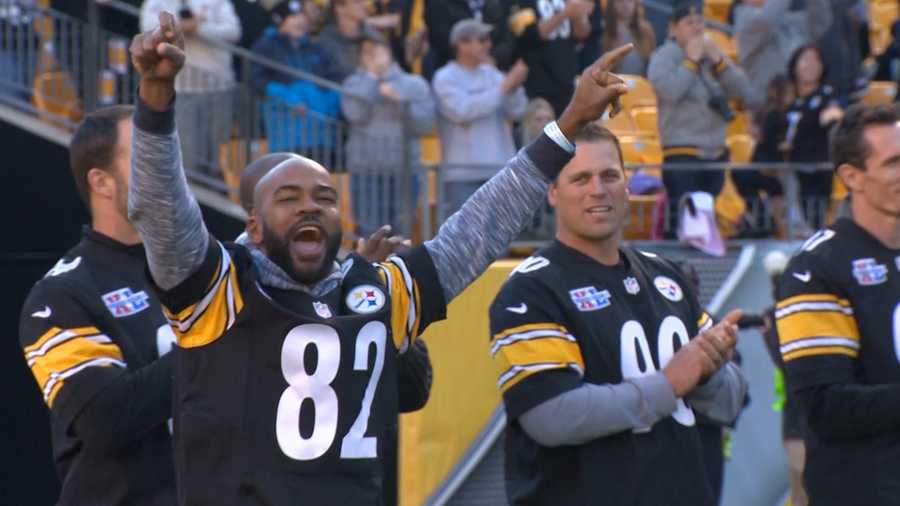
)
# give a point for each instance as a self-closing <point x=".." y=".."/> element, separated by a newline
<point x="646" y="119"/>
<point x="880" y="92"/>
<point x="740" y="148"/>
<point x="640" y="92"/>
<point x="882" y="14"/>
<point x="640" y="150"/>
<point x="740" y="125"/>
<point x="645" y="214"/>
<point x="716" y="10"/>
<point x="730" y="207"/>
<point x="431" y="149"/>
<point x="621" y="124"/>
<point x="233" y="158"/>
<point x="724" y="41"/>
<point x="56" y="98"/>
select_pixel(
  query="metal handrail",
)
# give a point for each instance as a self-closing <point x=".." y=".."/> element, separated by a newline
<point x="245" y="54"/>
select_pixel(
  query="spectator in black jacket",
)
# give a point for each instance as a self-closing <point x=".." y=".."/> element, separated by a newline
<point x="441" y="15"/>
<point x="889" y="60"/>
<point x="547" y="35"/>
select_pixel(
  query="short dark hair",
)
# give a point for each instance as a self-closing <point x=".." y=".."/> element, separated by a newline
<point x="849" y="145"/>
<point x="94" y="144"/>
<point x="594" y="133"/>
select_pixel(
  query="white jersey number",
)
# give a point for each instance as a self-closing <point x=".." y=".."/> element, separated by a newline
<point x="317" y="388"/>
<point x="547" y="9"/>
<point x="636" y="360"/>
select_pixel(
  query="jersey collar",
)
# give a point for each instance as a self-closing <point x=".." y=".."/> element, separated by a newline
<point x="108" y="242"/>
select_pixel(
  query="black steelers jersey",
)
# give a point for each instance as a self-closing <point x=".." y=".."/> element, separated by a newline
<point x="90" y="321"/>
<point x="838" y="322"/>
<point x="283" y="406"/>
<point x="562" y="319"/>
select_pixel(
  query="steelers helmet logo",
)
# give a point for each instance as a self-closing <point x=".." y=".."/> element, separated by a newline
<point x="365" y="299"/>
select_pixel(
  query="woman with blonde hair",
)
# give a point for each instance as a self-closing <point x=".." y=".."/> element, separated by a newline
<point x="625" y="22"/>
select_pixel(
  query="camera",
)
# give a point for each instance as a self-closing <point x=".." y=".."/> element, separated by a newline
<point x="185" y="13"/>
<point x="719" y="104"/>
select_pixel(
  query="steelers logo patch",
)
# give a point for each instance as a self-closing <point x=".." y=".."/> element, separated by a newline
<point x="365" y="299"/>
<point x="668" y="288"/>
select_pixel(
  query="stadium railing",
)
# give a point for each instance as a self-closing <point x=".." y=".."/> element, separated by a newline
<point x="58" y="67"/>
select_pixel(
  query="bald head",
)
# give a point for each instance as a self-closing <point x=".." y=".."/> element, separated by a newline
<point x="254" y="172"/>
<point x="296" y="172"/>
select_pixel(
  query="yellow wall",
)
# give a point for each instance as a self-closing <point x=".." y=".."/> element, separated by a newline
<point x="463" y="395"/>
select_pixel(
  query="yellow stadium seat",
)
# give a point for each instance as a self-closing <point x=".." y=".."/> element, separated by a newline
<point x="641" y="150"/>
<point x="740" y="148"/>
<point x="740" y="125"/>
<point x="730" y="206"/>
<point x="621" y="124"/>
<point x="56" y="98"/>
<point x="882" y="15"/>
<point x="643" y="214"/>
<point x="431" y="149"/>
<point x="640" y="92"/>
<point x="233" y="158"/>
<point x="646" y="120"/>
<point x="724" y="41"/>
<point x="717" y="10"/>
<point x="880" y="92"/>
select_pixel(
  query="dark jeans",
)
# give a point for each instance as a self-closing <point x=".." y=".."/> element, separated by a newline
<point x="681" y="181"/>
<point x="815" y="196"/>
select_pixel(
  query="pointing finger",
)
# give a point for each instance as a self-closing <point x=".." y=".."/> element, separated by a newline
<point x="610" y="59"/>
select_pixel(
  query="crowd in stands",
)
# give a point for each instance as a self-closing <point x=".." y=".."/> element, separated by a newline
<point x="729" y="81"/>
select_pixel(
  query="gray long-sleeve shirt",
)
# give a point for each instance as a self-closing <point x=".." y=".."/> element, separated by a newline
<point x="169" y="222"/>
<point x="685" y="118"/>
<point x="593" y="411"/>
<point x="377" y="123"/>
<point x="767" y="35"/>
<point x="475" y="114"/>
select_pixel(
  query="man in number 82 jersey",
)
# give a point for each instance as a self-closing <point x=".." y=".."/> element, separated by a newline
<point x="286" y="360"/>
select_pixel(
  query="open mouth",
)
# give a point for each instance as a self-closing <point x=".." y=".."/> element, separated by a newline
<point x="599" y="210"/>
<point x="308" y="242"/>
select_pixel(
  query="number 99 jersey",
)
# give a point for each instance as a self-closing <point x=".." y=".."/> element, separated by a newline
<point x="281" y="405"/>
<point x="563" y="319"/>
<point x="838" y="319"/>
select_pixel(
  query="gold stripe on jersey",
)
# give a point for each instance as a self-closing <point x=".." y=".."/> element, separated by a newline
<point x="811" y="297"/>
<point x="816" y="324"/>
<point x="62" y="353"/>
<point x="705" y="322"/>
<point x="529" y="327"/>
<point x="811" y="324"/>
<point x="205" y="321"/>
<point x="405" y="302"/>
<point x="521" y="358"/>
<point x="823" y="350"/>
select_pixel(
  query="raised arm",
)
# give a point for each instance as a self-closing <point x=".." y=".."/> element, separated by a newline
<point x="482" y="229"/>
<point x="160" y="204"/>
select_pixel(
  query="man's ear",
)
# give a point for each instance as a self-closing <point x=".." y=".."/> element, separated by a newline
<point x="101" y="182"/>
<point x="254" y="228"/>
<point x="553" y="193"/>
<point x="851" y="176"/>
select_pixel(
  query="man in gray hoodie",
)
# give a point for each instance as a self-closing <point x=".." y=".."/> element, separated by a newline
<point x="693" y="80"/>
<point x="768" y="32"/>
<point x="388" y="110"/>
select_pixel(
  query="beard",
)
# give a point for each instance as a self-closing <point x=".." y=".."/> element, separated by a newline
<point x="278" y="250"/>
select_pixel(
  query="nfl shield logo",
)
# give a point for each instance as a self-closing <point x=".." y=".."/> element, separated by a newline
<point x="632" y="286"/>
<point x="322" y="309"/>
<point x="589" y="298"/>
<point x="868" y="273"/>
<point x="123" y="302"/>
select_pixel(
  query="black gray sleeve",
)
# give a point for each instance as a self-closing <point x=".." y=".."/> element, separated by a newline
<point x="482" y="229"/>
<point x="160" y="204"/>
<point x="592" y="411"/>
<point x="722" y="397"/>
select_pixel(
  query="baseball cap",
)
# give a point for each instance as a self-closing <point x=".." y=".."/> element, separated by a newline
<point x="684" y="9"/>
<point x="285" y="9"/>
<point x="468" y="28"/>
